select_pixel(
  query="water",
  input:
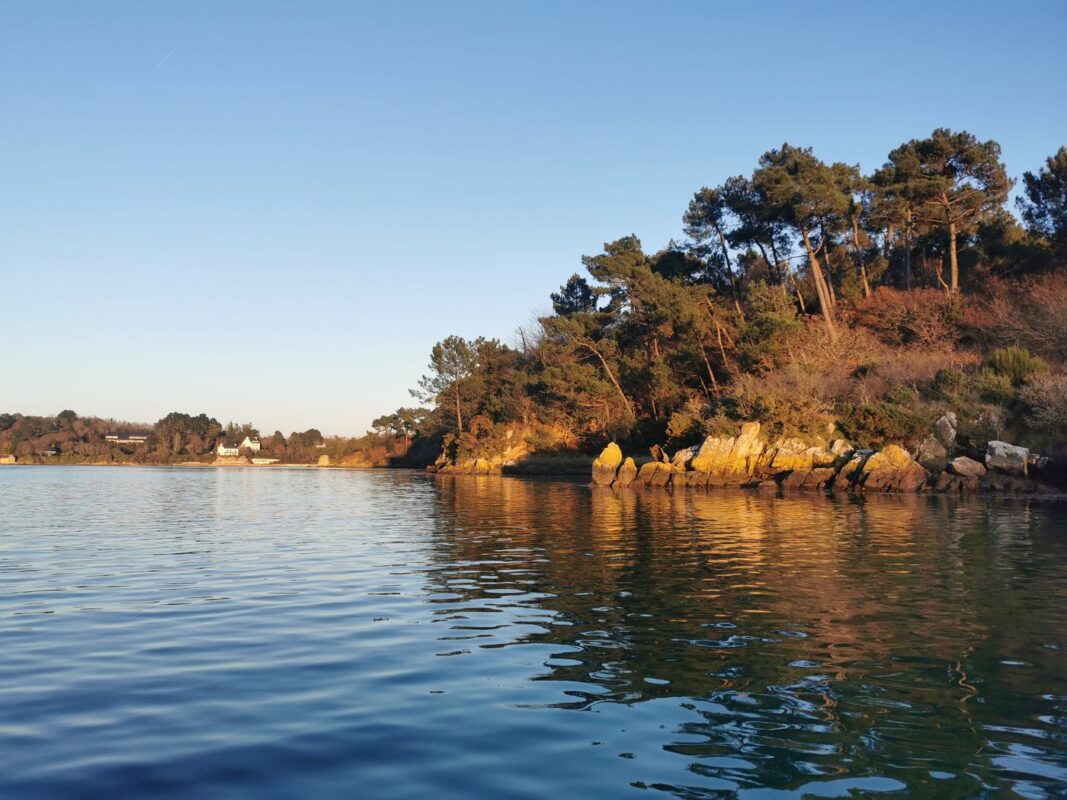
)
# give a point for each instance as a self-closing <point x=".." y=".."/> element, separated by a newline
<point x="320" y="633"/>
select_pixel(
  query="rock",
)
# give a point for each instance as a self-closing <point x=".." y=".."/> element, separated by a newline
<point x="819" y="478"/>
<point x="880" y="480"/>
<point x="945" y="429"/>
<point x="746" y="450"/>
<point x="876" y="462"/>
<point x="659" y="454"/>
<point x="947" y="482"/>
<point x="821" y="457"/>
<point x="790" y="455"/>
<point x="685" y="455"/>
<point x="897" y="456"/>
<point x="851" y="472"/>
<point x="606" y="465"/>
<point x="795" y="479"/>
<point x="627" y="473"/>
<point x="713" y="454"/>
<point x="7" y="459"/>
<point x="891" y="470"/>
<point x="696" y="480"/>
<point x="915" y="477"/>
<point x="966" y="467"/>
<point x="932" y="454"/>
<point x="654" y="473"/>
<point x="324" y="460"/>
<point x="840" y="447"/>
<point x="1008" y="484"/>
<point x="1008" y="458"/>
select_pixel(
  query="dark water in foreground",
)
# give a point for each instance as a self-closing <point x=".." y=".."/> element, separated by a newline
<point x="276" y="633"/>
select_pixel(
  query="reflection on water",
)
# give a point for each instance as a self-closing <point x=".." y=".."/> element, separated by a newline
<point x="324" y="633"/>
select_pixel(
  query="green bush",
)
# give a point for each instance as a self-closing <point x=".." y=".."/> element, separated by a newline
<point x="950" y="385"/>
<point x="1016" y="364"/>
<point x="772" y="320"/>
<point x="878" y="424"/>
<point x="994" y="387"/>
<point x="902" y="396"/>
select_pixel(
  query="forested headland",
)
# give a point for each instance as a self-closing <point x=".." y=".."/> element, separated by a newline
<point x="815" y="299"/>
<point x="818" y="300"/>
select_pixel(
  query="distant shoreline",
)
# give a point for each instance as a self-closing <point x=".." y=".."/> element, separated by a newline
<point x="197" y="465"/>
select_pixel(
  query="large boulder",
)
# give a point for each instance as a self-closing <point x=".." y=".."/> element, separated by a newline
<point x="945" y="429"/>
<point x="932" y="454"/>
<point x="627" y="473"/>
<point x="966" y="467"/>
<point x="892" y="470"/>
<point x="713" y="454"/>
<point x="1008" y="458"/>
<point x="852" y="471"/>
<point x="744" y="454"/>
<point x="790" y="455"/>
<point x="654" y="473"/>
<point x="607" y="465"/>
<point x="913" y="478"/>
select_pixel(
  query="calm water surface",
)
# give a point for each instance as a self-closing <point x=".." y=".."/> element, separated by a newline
<point x="301" y="633"/>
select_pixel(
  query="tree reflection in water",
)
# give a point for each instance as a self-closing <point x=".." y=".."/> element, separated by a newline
<point x="804" y="635"/>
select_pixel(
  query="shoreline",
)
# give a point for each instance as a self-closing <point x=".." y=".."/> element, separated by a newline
<point x="196" y="465"/>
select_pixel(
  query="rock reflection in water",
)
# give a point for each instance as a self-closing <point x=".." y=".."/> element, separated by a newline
<point x="804" y="636"/>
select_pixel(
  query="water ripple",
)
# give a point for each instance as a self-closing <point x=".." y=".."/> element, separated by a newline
<point x="281" y="633"/>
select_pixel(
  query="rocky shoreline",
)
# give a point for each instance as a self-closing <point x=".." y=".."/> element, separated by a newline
<point x="749" y="460"/>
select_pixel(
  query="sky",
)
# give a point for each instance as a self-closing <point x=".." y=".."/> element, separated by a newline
<point x="271" y="211"/>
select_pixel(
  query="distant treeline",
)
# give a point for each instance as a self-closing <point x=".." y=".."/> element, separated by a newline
<point x="807" y="295"/>
<point x="179" y="437"/>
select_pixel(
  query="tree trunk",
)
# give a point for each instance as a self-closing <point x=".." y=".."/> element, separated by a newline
<point x="820" y="286"/>
<point x="772" y="269"/>
<point x="730" y="272"/>
<point x="459" y="413"/>
<point x="611" y="375"/>
<point x="954" y="267"/>
<point x="827" y="276"/>
<point x="707" y="364"/>
<point x="796" y="288"/>
<point x="859" y="257"/>
<point x="907" y="256"/>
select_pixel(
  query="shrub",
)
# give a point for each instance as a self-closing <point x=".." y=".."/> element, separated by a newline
<point x="1032" y="314"/>
<point x="1045" y="400"/>
<point x="772" y="320"/>
<point x="950" y="385"/>
<point x="686" y="425"/>
<point x="926" y="317"/>
<point x="877" y="424"/>
<point x="993" y="386"/>
<point x="902" y="396"/>
<point x="979" y="427"/>
<point x="790" y="400"/>
<point x="1016" y="364"/>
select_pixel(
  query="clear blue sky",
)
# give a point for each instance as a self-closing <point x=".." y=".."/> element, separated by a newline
<point x="270" y="211"/>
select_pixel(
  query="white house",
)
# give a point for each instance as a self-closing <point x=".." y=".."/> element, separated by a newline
<point x="227" y="450"/>
<point x="251" y="444"/>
